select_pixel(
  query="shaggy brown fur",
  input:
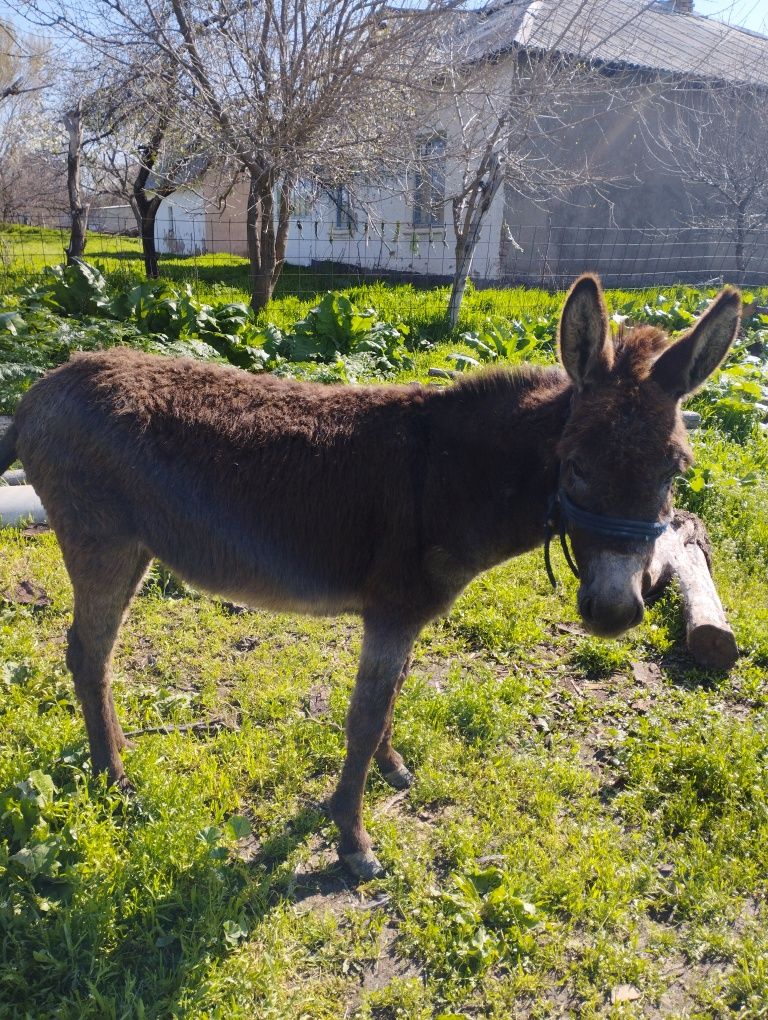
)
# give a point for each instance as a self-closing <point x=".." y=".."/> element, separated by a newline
<point x="384" y="501"/>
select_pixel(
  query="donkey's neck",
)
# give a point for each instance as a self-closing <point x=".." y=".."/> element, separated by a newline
<point x="512" y="410"/>
<point x="494" y="441"/>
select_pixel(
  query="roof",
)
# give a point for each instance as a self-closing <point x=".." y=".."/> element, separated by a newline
<point x="630" y="33"/>
<point x="180" y="171"/>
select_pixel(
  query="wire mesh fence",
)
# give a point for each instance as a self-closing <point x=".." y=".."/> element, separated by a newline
<point x="213" y="254"/>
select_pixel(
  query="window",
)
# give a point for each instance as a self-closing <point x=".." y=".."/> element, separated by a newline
<point x="302" y="199"/>
<point x="429" y="184"/>
<point x="344" y="218"/>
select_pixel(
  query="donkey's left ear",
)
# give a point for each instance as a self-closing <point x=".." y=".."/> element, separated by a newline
<point x="685" y="365"/>
<point x="586" y="349"/>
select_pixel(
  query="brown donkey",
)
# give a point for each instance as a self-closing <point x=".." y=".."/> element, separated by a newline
<point x="384" y="500"/>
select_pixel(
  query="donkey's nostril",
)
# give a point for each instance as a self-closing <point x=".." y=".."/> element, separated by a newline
<point x="608" y="617"/>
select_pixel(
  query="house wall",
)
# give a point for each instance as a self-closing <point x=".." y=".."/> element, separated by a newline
<point x="225" y="220"/>
<point x="180" y="224"/>
<point x="382" y="238"/>
<point x="112" y="219"/>
<point x="385" y="239"/>
<point x="634" y="229"/>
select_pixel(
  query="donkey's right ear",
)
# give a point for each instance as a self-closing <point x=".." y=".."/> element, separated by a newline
<point x="584" y="335"/>
<point x="684" y="366"/>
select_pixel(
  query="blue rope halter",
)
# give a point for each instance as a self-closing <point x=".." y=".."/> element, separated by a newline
<point x="562" y="510"/>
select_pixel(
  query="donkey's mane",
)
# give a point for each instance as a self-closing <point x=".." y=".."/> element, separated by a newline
<point x="511" y="383"/>
<point x="636" y="348"/>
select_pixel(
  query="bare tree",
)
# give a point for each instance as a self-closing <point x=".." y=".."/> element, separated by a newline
<point x="23" y="62"/>
<point x="290" y="90"/>
<point x="78" y="206"/>
<point x="714" y="136"/>
<point x="513" y="106"/>
<point x="142" y="150"/>
<point x="509" y="125"/>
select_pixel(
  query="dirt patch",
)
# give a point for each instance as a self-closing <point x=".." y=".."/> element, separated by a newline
<point x="648" y="674"/>
<point x="322" y="884"/>
<point x="246" y="644"/>
<point x="33" y="530"/>
<point x="317" y="703"/>
<point x="388" y="965"/>
<point x="144" y="656"/>
<point x="27" y="593"/>
<point x="684" y="980"/>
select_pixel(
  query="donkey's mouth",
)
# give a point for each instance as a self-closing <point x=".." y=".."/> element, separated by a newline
<point x="607" y="619"/>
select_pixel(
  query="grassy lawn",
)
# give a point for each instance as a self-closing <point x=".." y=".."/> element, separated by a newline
<point x="587" y="835"/>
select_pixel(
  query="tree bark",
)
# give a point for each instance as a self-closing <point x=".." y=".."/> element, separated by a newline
<point x="468" y="216"/>
<point x="741" y="264"/>
<point x="145" y="207"/>
<point x="73" y="121"/>
<point x="147" y="212"/>
<point x="266" y="245"/>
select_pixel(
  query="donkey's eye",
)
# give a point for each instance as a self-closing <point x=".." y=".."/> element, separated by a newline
<point x="577" y="470"/>
<point x="669" y="479"/>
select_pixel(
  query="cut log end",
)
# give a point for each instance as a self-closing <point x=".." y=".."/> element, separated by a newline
<point x="684" y="552"/>
<point x="713" y="646"/>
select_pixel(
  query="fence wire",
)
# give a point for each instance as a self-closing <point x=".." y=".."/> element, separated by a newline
<point x="322" y="257"/>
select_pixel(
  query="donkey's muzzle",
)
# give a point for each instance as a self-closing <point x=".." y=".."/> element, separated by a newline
<point x="604" y="617"/>
<point x="610" y="597"/>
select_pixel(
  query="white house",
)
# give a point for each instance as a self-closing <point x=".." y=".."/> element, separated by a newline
<point x="641" y="227"/>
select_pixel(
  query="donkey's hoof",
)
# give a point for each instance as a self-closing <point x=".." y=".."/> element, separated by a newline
<point x="124" y="785"/>
<point x="400" y="778"/>
<point x="364" y="865"/>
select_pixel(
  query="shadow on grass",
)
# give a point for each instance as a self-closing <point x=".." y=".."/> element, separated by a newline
<point x="681" y="669"/>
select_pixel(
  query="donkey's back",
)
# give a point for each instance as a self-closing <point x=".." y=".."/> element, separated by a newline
<point x="279" y="493"/>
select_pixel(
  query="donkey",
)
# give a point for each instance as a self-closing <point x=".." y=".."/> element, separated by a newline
<point x="383" y="501"/>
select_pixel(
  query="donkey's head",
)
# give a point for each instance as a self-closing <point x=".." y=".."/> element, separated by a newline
<point x="625" y="441"/>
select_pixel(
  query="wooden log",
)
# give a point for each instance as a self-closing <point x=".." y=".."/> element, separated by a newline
<point x="684" y="552"/>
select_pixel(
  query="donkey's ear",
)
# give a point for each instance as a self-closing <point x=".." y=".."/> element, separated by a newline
<point x="684" y="366"/>
<point x="584" y="335"/>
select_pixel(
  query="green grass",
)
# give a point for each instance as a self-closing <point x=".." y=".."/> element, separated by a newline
<point x="25" y="251"/>
<point x="580" y="828"/>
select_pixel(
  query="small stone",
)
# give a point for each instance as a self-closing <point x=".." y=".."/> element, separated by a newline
<point x="624" y="993"/>
<point x="647" y="673"/>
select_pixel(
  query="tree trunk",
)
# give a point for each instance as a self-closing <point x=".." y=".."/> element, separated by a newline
<point x="266" y="246"/>
<point x="741" y="262"/>
<point x="468" y="217"/>
<point x="147" y="212"/>
<point x="73" y="121"/>
<point x="145" y="208"/>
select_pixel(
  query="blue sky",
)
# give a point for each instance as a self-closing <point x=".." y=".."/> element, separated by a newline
<point x="749" y="13"/>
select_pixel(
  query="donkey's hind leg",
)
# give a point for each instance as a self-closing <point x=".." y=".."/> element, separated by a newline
<point x="385" y="650"/>
<point x="104" y="580"/>
<point x="391" y="765"/>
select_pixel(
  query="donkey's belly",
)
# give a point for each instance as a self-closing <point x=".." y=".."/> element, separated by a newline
<point x="261" y="585"/>
<point x="241" y="554"/>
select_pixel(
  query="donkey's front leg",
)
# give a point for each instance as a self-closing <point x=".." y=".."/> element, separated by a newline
<point x="391" y="765"/>
<point x="385" y="651"/>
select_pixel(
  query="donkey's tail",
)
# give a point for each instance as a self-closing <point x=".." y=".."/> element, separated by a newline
<point x="8" y="448"/>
